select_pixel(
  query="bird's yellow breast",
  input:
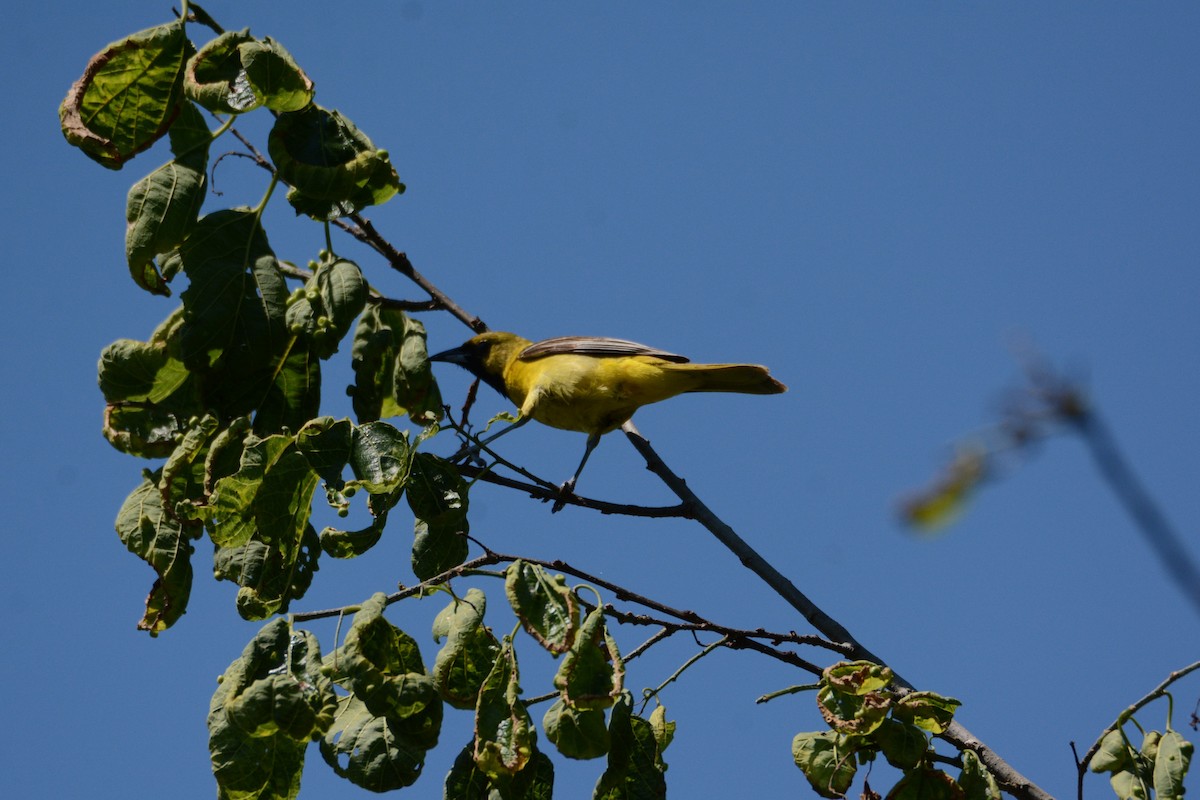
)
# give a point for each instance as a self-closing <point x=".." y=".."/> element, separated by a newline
<point x="588" y="394"/>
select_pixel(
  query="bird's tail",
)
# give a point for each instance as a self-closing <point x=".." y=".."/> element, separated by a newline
<point x="744" y="378"/>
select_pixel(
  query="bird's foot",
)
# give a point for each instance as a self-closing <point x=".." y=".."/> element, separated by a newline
<point x="565" y="492"/>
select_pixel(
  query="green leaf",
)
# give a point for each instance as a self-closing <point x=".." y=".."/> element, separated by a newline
<point x="351" y="544"/>
<point x="414" y="391"/>
<point x="437" y="495"/>
<point x="926" y="710"/>
<point x="333" y="167"/>
<point x="926" y="783"/>
<point x="1129" y="786"/>
<point x="235" y="499"/>
<point x="976" y="780"/>
<point x="504" y="735"/>
<point x="142" y="430"/>
<point x="379" y="457"/>
<point x="275" y="76"/>
<point x="184" y="473"/>
<point x="379" y="754"/>
<point x="381" y="666"/>
<point x="234" y="311"/>
<point x="162" y="207"/>
<point x="469" y="653"/>
<point x="267" y="706"/>
<point x="327" y="306"/>
<point x="143" y="372"/>
<point x="903" y="745"/>
<point x="162" y="541"/>
<point x="269" y="576"/>
<point x="190" y="137"/>
<point x="826" y="760"/>
<point x="294" y="395"/>
<point x="1113" y="755"/>
<point x="576" y="732"/>
<point x="391" y="369"/>
<point x="216" y="79"/>
<point x="635" y="768"/>
<point x="591" y="676"/>
<point x="664" y="729"/>
<point x="1171" y="765"/>
<point x="326" y="444"/>
<point x="466" y="781"/>
<point x="128" y="95"/>
<point x="547" y="609"/>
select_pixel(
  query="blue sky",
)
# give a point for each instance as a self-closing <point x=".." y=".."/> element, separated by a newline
<point x="875" y="200"/>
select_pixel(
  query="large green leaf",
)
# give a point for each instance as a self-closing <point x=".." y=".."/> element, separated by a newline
<point x="976" y="781"/>
<point x="926" y="783"/>
<point x="576" y="732"/>
<point x="379" y="754"/>
<point x="294" y="394"/>
<point x="326" y="443"/>
<point x="268" y="705"/>
<point x="381" y="665"/>
<point x="234" y="327"/>
<point x="128" y="95"/>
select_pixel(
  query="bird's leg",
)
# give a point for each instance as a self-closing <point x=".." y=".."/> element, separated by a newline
<point x="568" y="488"/>
<point x="469" y="451"/>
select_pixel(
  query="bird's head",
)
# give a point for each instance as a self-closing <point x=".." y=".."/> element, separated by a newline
<point x="486" y="356"/>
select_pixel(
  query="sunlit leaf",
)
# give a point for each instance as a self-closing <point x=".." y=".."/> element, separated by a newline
<point x="128" y="95"/>
<point x="546" y="607"/>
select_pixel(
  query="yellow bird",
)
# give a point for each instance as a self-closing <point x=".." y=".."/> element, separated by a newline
<point x="592" y="384"/>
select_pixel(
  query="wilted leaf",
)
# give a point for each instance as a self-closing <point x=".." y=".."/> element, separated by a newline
<point x="128" y="95"/>
<point x="591" y="676"/>
<point x="333" y="168"/>
<point x="927" y="710"/>
<point x="504" y="734"/>
<point x="161" y="541"/>
<point x="826" y="760"/>
<point x="547" y="609"/>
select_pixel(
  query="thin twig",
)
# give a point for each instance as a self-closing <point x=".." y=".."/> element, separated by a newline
<point x="1158" y="691"/>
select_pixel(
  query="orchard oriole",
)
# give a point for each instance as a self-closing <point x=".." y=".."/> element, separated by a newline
<point x="592" y="384"/>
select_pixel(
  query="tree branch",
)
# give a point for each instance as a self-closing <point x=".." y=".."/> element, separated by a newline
<point x="1008" y="778"/>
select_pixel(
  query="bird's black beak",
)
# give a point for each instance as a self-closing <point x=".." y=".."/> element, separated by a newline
<point x="456" y="355"/>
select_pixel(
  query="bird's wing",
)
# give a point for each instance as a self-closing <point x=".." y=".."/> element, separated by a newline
<point x="598" y="346"/>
